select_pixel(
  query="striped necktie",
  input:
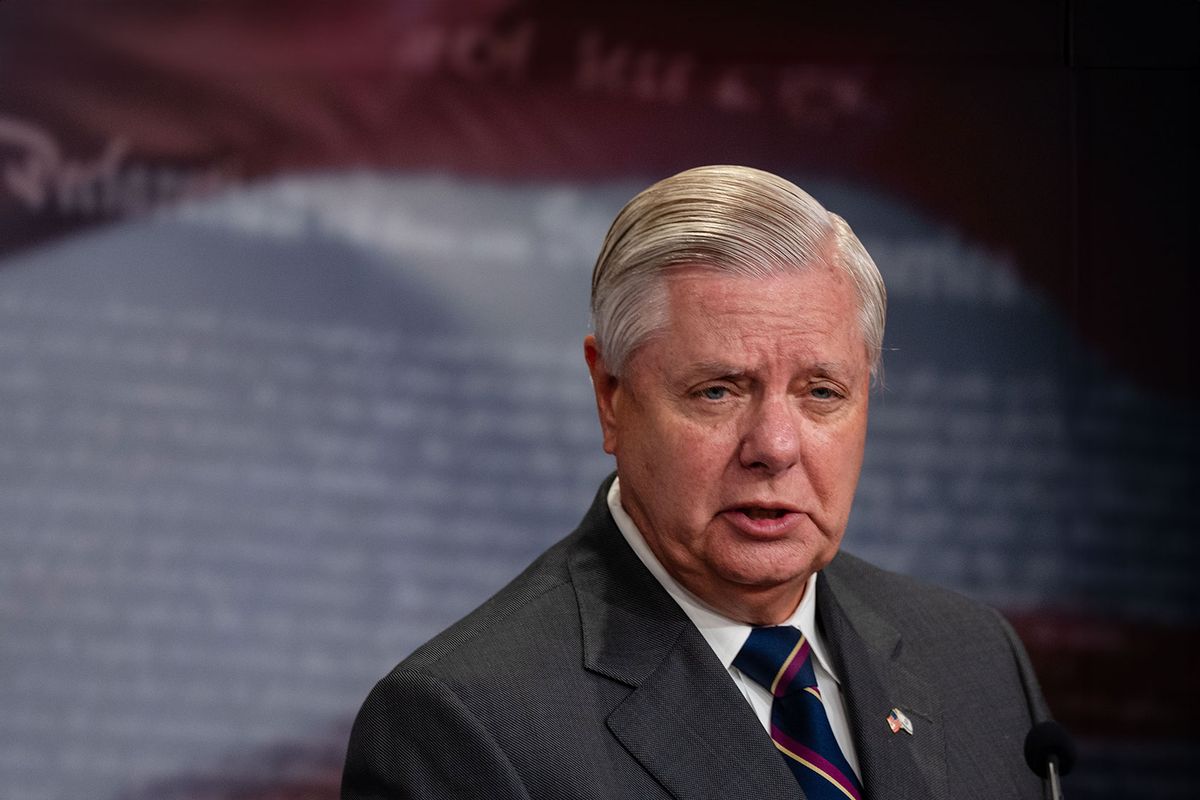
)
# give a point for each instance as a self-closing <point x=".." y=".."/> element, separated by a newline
<point x="780" y="660"/>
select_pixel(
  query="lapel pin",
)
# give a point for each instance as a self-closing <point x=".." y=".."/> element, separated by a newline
<point x="897" y="721"/>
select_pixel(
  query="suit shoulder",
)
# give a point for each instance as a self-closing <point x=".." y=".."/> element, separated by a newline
<point x="910" y="602"/>
<point x="938" y="626"/>
<point x="534" y="611"/>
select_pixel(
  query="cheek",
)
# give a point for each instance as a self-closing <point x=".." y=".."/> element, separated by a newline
<point x="686" y="463"/>
<point x="670" y="432"/>
<point x="700" y="451"/>
<point x="836" y="460"/>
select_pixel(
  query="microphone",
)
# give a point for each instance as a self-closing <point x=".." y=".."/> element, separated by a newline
<point x="1050" y="753"/>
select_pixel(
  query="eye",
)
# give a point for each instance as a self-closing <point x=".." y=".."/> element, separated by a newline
<point x="824" y="393"/>
<point x="714" y="392"/>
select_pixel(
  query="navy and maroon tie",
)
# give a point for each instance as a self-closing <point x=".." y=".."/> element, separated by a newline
<point x="780" y="660"/>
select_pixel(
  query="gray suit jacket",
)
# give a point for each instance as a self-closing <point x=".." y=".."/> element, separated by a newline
<point x="583" y="679"/>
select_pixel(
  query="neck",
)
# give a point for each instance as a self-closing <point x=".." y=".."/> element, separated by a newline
<point x="759" y="608"/>
<point x="753" y="605"/>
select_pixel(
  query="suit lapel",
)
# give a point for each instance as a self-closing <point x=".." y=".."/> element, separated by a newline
<point x="876" y="677"/>
<point x="684" y="719"/>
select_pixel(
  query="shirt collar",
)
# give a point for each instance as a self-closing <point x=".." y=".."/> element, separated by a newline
<point x="724" y="635"/>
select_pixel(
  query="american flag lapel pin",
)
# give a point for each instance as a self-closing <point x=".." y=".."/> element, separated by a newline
<point x="897" y="721"/>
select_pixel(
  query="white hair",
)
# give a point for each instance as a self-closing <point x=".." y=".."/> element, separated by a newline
<point x="734" y="220"/>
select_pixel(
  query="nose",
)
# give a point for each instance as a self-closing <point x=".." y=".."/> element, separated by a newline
<point x="771" y="439"/>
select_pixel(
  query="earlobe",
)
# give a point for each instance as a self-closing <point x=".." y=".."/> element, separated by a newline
<point x="604" y="384"/>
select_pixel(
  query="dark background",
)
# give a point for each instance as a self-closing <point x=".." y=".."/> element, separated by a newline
<point x="291" y="296"/>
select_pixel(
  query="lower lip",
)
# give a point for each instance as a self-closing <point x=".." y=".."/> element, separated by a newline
<point x="764" y="527"/>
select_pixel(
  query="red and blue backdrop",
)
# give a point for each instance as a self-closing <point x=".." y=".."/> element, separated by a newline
<point x="291" y="305"/>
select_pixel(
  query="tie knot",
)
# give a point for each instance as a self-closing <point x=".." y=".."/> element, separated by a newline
<point x="778" y="659"/>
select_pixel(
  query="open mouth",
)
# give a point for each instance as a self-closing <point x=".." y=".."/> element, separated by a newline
<point x="763" y="513"/>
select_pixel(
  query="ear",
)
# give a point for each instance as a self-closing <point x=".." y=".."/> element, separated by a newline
<point x="605" y="385"/>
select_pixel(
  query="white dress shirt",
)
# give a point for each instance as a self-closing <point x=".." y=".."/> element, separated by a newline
<point x="726" y="636"/>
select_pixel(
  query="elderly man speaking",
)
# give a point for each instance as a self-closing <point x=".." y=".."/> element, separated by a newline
<point x="699" y="635"/>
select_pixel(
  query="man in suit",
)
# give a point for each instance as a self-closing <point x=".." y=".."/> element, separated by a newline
<point x="698" y="635"/>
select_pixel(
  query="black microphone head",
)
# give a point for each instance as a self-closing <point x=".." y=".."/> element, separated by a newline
<point x="1048" y="740"/>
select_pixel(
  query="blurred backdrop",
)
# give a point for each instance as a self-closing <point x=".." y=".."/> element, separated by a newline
<point x="291" y="305"/>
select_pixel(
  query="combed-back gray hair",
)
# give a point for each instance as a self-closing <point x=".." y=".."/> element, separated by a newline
<point x="735" y="220"/>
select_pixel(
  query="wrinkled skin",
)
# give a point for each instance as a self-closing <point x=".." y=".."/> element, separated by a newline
<point x="738" y="433"/>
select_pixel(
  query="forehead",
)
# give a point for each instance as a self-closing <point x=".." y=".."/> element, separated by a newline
<point x="816" y="296"/>
<point x="802" y="317"/>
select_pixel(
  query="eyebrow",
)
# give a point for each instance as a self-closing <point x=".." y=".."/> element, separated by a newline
<point x="828" y="368"/>
<point x="724" y="370"/>
<point x="715" y="368"/>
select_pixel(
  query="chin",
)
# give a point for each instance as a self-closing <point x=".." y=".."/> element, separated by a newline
<point x="770" y="564"/>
